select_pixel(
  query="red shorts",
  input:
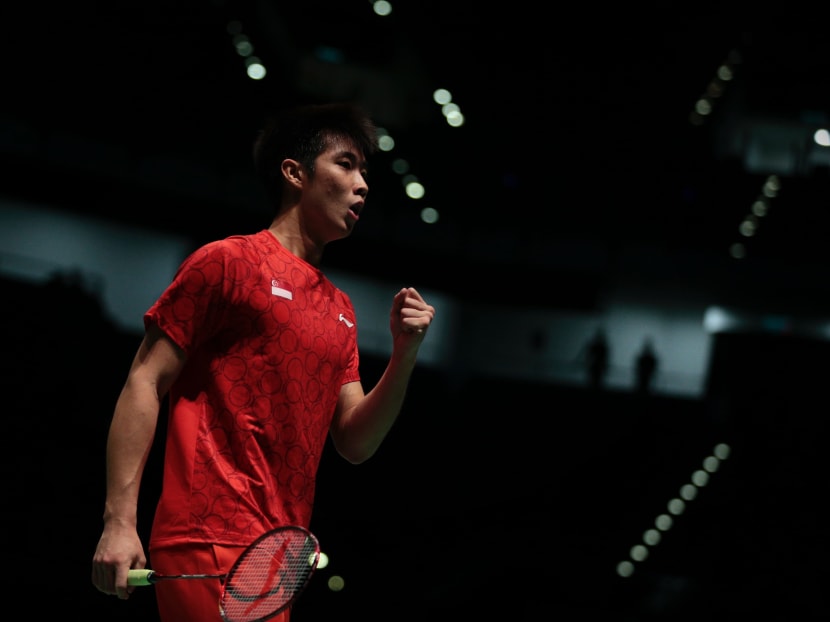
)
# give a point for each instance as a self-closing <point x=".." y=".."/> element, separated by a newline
<point x="194" y="600"/>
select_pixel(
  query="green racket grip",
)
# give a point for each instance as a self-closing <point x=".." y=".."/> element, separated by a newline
<point x="140" y="576"/>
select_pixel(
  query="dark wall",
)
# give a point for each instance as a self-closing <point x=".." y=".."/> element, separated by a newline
<point x="63" y="365"/>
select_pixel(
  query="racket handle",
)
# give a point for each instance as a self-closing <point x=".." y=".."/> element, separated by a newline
<point x="140" y="576"/>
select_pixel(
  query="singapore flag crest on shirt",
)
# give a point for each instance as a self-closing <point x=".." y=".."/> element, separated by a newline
<point x="282" y="289"/>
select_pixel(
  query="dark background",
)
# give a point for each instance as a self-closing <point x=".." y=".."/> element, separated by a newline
<point x="491" y="495"/>
<point x="577" y="151"/>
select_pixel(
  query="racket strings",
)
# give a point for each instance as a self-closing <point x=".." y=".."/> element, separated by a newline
<point x="268" y="576"/>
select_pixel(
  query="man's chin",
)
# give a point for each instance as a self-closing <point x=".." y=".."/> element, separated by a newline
<point x="345" y="232"/>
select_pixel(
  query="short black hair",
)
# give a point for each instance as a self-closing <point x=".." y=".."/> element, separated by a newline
<point x="302" y="133"/>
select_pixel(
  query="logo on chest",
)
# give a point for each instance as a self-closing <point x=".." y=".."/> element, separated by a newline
<point x="282" y="289"/>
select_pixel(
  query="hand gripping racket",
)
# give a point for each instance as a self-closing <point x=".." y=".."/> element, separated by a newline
<point x="265" y="579"/>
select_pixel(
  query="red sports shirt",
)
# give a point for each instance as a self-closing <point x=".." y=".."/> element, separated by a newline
<point x="269" y="343"/>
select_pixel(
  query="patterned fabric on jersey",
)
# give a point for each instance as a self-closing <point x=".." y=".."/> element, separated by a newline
<point x="269" y="343"/>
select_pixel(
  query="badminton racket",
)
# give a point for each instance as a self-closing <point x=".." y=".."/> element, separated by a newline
<point x="266" y="578"/>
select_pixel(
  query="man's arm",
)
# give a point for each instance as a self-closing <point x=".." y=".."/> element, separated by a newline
<point x="132" y="430"/>
<point x="362" y="421"/>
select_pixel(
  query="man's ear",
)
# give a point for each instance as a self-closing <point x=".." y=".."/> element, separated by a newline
<point x="292" y="172"/>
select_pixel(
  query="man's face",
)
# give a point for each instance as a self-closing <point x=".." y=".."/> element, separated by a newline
<point x="335" y="195"/>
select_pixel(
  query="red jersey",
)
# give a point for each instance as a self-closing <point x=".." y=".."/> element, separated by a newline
<point x="269" y="343"/>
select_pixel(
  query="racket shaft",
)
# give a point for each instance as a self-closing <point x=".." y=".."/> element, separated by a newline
<point x="145" y="576"/>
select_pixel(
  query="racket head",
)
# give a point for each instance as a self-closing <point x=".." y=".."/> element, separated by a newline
<point x="269" y="575"/>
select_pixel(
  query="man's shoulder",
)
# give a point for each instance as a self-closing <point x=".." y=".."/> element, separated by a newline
<point x="237" y="242"/>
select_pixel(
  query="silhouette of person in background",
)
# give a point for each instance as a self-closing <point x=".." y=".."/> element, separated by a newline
<point x="596" y="358"/>
<point x="646" y="367"/>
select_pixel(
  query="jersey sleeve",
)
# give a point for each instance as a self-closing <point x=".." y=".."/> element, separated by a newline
<point x="189" y="309"/>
